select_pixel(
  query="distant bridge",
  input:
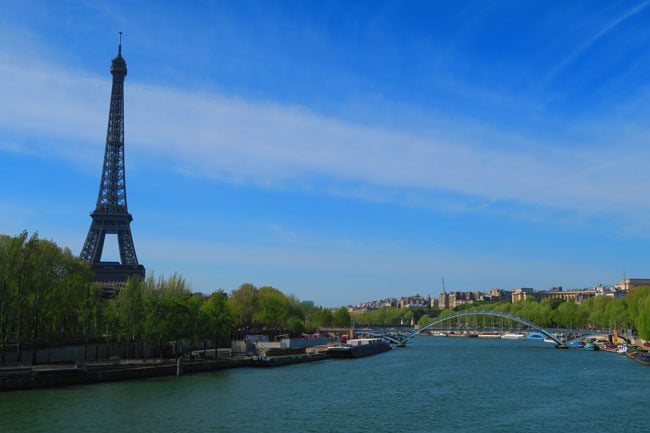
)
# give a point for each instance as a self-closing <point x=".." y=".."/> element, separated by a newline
<point x="401" y="336"/>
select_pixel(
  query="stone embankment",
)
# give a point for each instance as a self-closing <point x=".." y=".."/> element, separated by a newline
<point x="17" y="377"/>
<point x="41" y="376"/>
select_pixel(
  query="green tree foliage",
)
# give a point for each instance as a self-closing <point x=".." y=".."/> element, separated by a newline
<point x="316" y="317"/>
<point x="273" y="308"/>
<point x="392" y="315"/>
<point x="638" y="310"/>
<point x="162" y="311"/>
<point x="445" y="313"/>
<point x="244" y="303"/>
<point x="643" y="318"/>
<point x="125" y="315"/>
<point x="601" y="312"/>
<point x="216" y="317"/>
<point x="268" y="308"/>
<point x="295" y="325"/>
<point x="424" y="321"/>
<point x="159" y="312"/>
<point x="342" y="317"/>
<point x="45" y="292"/>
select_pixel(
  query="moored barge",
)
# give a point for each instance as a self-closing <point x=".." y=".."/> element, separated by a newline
<point x="358" y="348"/>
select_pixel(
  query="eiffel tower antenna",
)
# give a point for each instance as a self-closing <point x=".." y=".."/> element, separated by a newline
<point x="111" y="215"/>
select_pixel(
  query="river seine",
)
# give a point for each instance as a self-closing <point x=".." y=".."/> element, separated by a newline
<point x="435" y="384"/>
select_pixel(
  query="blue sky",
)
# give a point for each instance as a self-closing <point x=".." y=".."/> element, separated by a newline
<point x="340" y="151"/>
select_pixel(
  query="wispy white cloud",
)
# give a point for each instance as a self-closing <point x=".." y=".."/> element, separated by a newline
<point x="213" y="136"/>
<point x="593" y="38"/>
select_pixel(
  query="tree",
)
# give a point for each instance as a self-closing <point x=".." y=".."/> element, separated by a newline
<point x="295" y="325"/>
<point x="566" y="314"/>
<point x="273" y="308"/>
<point x="10" y="271"/>
<point x="643" y="318"/>
<point x="217" y="318"/>
<point x="176" y="320"/>
<point x="318" y="317"/>
<point x="342" y="317"/>
<point x="392" y="315"/>
<point x="446" y="313"/>
<point x="90" y="315"/>
<point x="244" y="303"/>
<point x="616" y="315"/>
<point x="43" y="290"/>
<point x="424" y="321"/>
<point x="131" y="312"/>
<point x="638" y="310"/>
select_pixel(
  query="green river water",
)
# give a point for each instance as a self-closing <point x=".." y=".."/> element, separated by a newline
<point x="435" y="384"/>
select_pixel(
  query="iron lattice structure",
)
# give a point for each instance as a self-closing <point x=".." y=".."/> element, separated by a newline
<point x="111" y="215"/>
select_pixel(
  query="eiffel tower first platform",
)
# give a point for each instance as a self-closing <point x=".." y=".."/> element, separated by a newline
<point x="111" y="215"/>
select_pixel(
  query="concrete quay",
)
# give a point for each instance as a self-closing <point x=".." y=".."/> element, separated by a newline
<point x="20" y="377"/>
<point x="44" y="376"/>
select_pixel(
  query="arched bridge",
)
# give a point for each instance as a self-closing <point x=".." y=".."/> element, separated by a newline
<point x="401" y="338"/>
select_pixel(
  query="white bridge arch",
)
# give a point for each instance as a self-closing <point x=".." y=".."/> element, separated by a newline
<point x="401" y="339"/>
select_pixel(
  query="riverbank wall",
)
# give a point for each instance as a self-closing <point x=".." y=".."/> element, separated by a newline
<point x="21" y="378"/>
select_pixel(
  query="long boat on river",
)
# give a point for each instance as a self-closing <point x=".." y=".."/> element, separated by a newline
<point x="642" y="357"/>
<point x="358" y="348"/>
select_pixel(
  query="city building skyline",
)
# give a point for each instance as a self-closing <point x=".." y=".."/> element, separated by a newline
<point x="455" y="298"/>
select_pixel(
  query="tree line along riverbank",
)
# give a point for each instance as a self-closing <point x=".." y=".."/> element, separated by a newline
<point x="47" y="294"/>
<point x="601" y="312"/>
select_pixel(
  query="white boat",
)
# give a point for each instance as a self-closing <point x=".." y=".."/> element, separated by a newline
<point x="513" y="336"/>
<point x="438" y="334"/>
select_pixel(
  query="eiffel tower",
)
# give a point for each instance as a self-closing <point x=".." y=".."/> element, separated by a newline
<point x="111" y="215"/>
